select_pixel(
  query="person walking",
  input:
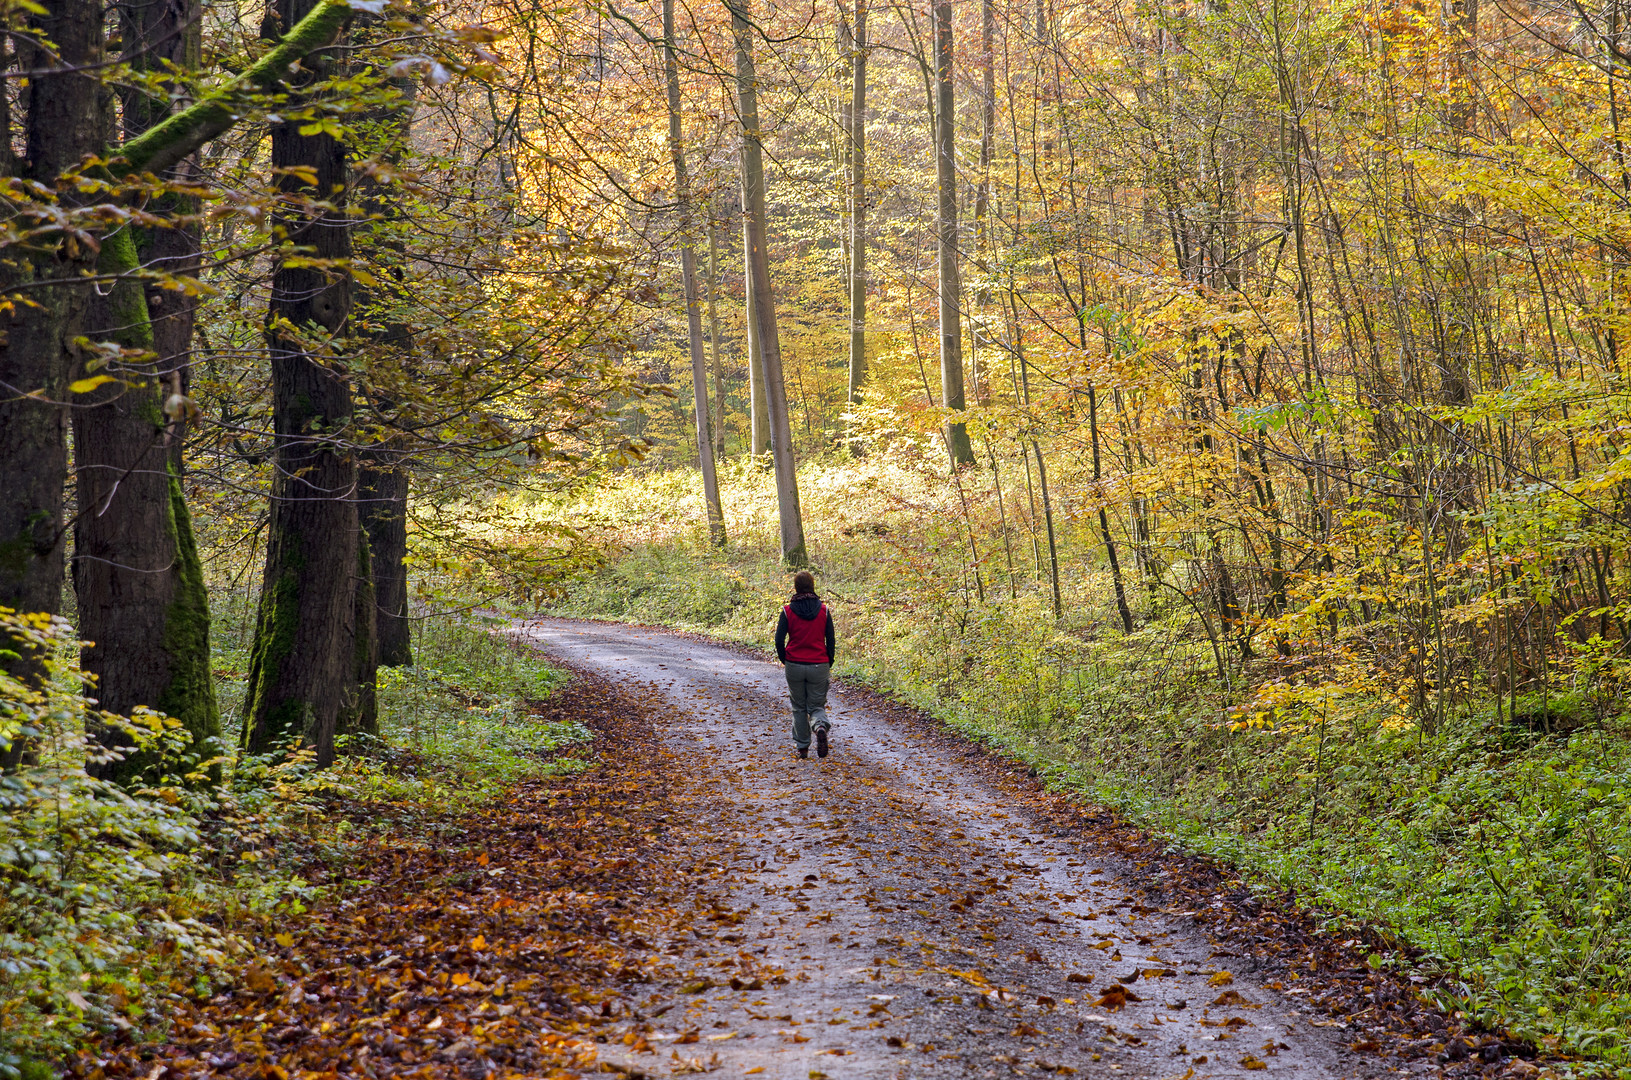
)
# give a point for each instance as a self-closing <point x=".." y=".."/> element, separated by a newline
<point x="806" y="645"/>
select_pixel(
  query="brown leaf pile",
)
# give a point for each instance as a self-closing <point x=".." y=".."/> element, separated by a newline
<point x="494" y="946"/>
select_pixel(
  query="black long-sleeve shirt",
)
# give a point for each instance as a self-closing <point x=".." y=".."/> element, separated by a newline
<point x="805" y="607"/>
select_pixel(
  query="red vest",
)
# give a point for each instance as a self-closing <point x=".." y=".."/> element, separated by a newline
<point x="807" y="640"/>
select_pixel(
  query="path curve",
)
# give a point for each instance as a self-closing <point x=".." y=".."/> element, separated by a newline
<point x="926" y="923"/>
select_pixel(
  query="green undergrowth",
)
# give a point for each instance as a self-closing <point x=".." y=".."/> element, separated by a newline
<point x="461" y="725"/>
<point x="114" y="901"/>
<point x="1497" y="854"/>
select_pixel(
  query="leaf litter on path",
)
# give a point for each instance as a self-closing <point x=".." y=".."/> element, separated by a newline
<point x="495" y="943"/>
<point x="903" y="869"/>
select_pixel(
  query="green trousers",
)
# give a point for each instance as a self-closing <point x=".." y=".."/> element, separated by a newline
<point x="807" y="689"/>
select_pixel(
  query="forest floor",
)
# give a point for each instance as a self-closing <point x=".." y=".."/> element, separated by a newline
<point x="911" y="906"/>
<point x="696" y="899"/>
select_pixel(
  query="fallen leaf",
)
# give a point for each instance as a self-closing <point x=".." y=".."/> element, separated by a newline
<point x="1222" y="978"/>
<point x="1252" y="1064"/>
<point x="1233" y="997"/>
<point x="1116" y="997"/>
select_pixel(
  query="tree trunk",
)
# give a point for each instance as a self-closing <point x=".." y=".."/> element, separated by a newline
<point x="143" y="607"/>
<point x="688" y="274"/>
<point x="857" y="220"/>
<point x="713" y="338"/>
<point x="951" y="317"/>
<point x="982" y="192"/>
<point x="762" y="304"/>
<point x="382" y="495"/>
<point x="758" y="406"/>
<point x="1041" y="476"/>
<point x="302" y="676"/>
<point x="383" y="479"/>
<point x="1104" y="518"/>
<point x="64" y="122"/>
<point x="359" y="713"/>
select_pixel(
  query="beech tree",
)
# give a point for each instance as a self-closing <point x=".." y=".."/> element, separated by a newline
<point x="950" y="279"/>
<point x="138" y="580"/>
<point x="61" y="125"/>
<point x="856" y="134"/>
<point x="140" y="584"/>
<point x="761" y="303"/>
<point x="304" y="666"/>
<point x="688" y="276"/>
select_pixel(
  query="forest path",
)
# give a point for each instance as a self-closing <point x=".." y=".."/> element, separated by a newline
<point x="928" y="922"/>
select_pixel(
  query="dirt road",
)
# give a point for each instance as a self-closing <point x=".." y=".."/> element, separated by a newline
<point x="900" y="916"/>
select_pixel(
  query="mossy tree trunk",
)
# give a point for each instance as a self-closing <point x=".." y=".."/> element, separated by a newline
<point x="139" y="585"/>
<point x="143" y="608"/>
<point x="303" y="663"/>
<point x="63" y="120"/>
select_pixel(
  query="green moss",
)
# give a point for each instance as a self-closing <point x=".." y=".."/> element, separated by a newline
<point x="127" y="304"/>
<point x="275" y="627"/>
<point x="167" y="142"/>
<point x="190" y="697"/>
<point x="14" y="555"/>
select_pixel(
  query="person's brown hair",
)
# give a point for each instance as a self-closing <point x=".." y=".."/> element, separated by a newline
<point x="803" y="582"/>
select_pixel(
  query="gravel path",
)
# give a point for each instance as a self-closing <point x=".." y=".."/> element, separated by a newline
<point x="923" y="922"/>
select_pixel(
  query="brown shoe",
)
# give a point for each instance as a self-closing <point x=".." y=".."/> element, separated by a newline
<point x="804" y="751"/>
<point x="821" y="740"/>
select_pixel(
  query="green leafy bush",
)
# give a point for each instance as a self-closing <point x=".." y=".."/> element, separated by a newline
<point x="115" y="900"/>
<point x="88" y="870"/>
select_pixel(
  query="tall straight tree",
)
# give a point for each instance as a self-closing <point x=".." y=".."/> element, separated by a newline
<point x="761" y="307"/>
<point x="139" y="584"/>
<point x="857" y="213"/>
<point x="951" y="316"/>
<point x="383" y="474"/>
<point x="43" y="303"/>
<point x="303" y="665"/>
<point x="713" y="336"/>
<point x="65" y="123"/>
<point x="758" y="403"/>
<point x="688" y="275"/>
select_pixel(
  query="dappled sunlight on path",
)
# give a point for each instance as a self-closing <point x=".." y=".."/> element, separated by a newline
<point x="901" y="915"/>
